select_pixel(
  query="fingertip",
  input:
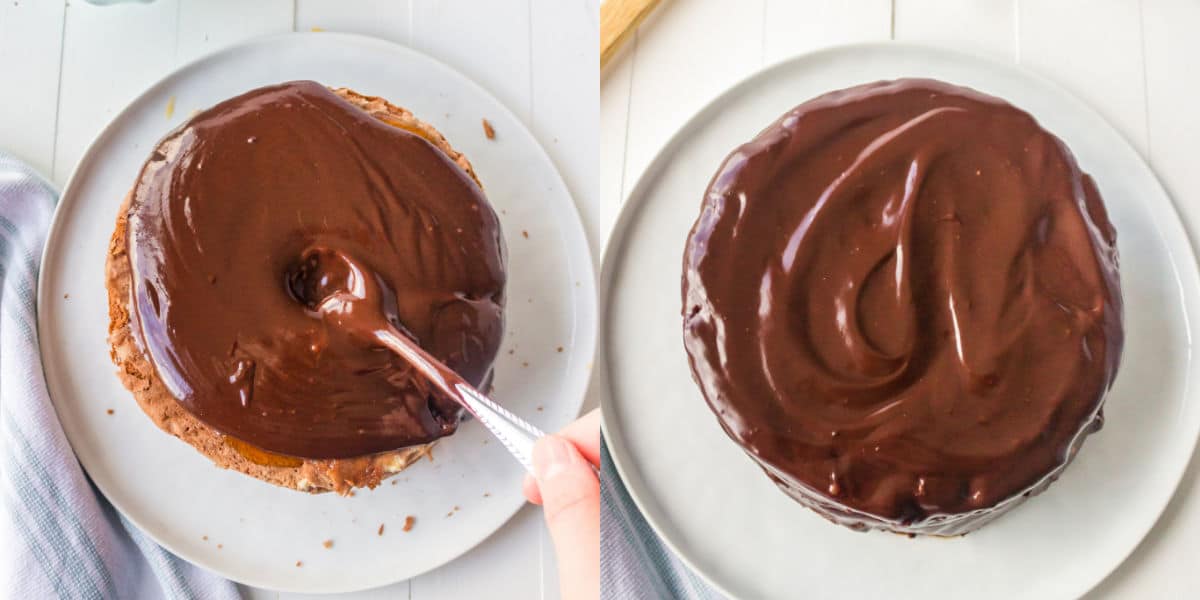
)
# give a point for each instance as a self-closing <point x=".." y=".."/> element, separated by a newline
<point x="529" y="487"/>
<point x="566" y="483"/>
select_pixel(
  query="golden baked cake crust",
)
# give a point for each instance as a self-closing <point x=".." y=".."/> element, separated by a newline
<point x="139" y="376"/>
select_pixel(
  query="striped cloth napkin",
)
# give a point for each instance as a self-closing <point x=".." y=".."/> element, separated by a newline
<point x="59" y="538"/>
<point x="634" y="563"/>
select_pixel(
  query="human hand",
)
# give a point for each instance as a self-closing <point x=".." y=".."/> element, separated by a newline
<point x="569" y="492"/>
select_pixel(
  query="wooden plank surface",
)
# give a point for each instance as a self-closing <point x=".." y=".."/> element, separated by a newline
<point x="205" y="25"/>
<point x="104" y="67"/>
<point x="791" y="28"/>
<point x="678" y="67"/>
<point x="614" y="122"/>
<point x="562" y="66"/>
<point x="985" y="27"/>
<point x="385" y="19"/>
<point x="30" y="52"/>
<point x="1099" y="58"/>
<point x="488" y="42"/>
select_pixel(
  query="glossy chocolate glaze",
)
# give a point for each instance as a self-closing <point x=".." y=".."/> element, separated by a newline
<point x="233" y="204"/>
<point x="902" y="300"/>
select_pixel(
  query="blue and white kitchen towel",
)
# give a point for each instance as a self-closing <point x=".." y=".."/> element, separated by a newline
<point x="634" y="563"/>
<point x="59" y="538"/>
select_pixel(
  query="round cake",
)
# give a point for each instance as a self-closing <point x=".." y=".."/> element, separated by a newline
<point x="207" y="332"/>
<point x="902" y="301"/>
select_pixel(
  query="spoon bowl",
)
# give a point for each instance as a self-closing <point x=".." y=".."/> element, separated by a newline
<point x="338" y="289"/>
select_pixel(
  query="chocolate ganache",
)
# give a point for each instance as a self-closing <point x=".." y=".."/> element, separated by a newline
<point x="230" y="207"/>
<point x="902" y="300"/>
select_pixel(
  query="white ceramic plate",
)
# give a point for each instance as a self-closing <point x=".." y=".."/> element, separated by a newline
<point x="718" y="511"/>
<point x="174" y="493"/>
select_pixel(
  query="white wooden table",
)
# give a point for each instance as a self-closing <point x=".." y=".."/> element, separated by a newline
<point x="67" y="67"/>
<point x="1138" y="63"/>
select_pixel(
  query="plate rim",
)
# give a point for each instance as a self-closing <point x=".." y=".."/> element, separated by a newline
<point x="633" y="202"/>
<point x="586" y="337"/>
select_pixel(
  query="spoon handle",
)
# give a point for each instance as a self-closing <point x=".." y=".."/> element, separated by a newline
<point x="516" y="434"/>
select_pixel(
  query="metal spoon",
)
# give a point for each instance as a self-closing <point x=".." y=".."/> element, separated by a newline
<point x="332" y="284"/>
